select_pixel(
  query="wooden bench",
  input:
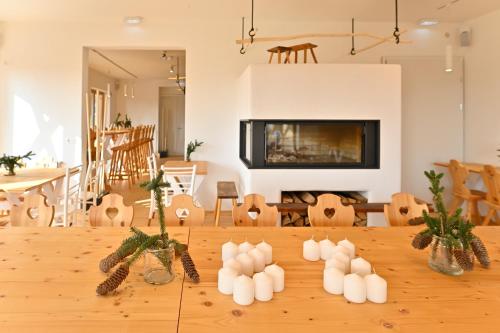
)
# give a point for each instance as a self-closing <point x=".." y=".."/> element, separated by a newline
<point x="225" y="190"/>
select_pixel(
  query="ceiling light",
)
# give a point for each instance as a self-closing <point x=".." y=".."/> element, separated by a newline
<point x="428" y="22"/>
<point x="449" y="59"/>
<point x="172" y="69"/>
<point x="133" y="20"/>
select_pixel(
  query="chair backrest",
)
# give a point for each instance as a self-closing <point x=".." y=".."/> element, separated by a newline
<point x="152" y="166"/>
<point x="73" y="201"/>
<point x="112" y="212"/>
<point x="180" y="179"/>
<point x="491" y="179"/>
<point x="32" y="212"/>
<point x="403" y="208"/>
<point x="266" y="215"/>
<point x="183" y="212"/>
<point x="459" y="174"/>
<point x="329" y="211"/>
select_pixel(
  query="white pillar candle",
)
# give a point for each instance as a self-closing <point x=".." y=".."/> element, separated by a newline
<point x="349" y="246"/>
<point x="311" y="250"/>
<point x="344" y="258"/>
<point x="246" y="263"/>
<point x="259" y="260"/>
<point x="245" y="247"/>
<point x="278" y="275"/>
<point x="225" y="280"/>
<point x="326" y="247"/>
<point x="263" y="287"/>
<point x="337" y="263"/>
<point x="361" y="267"/>
<point x="341" y="249"/>
<point x="229" y="250"/>
<point x="267" y="250"/>
<point x="333" y="281"/>
<point x="234" y="264"/>
<point x="243" y="290"/>
<point x="354" y="288"/>
<point x="376" y="288"/>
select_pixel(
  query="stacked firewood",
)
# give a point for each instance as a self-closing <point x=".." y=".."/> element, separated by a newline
<point x="295" y="219"/>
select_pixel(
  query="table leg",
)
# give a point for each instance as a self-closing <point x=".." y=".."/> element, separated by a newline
<point x="217" y="211"/>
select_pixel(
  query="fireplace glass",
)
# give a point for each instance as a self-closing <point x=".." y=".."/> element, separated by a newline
<point x="314" y="143"/>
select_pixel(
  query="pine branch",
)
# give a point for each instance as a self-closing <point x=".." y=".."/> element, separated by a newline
<point x="156" y="185"/>
<point x="143" y="247"/>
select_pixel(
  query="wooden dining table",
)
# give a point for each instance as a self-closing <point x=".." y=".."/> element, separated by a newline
<point x="48" y="279"/>
<point x="472" y="167"/>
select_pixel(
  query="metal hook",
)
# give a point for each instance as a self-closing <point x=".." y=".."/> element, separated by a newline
<point x="242" y="49"/>
<point x="353" y="49"/>
<point x="396" y="33"/>
<point x="251" y="32"/>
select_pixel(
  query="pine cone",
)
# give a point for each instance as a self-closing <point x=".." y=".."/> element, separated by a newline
<point x="421" y="241"/>
<point x="189" y="267"/>
<point x="109" y="262"/>
<point x="464" y="259"/>
<point x="115" y="279"/>
<point x="480" y="252"/>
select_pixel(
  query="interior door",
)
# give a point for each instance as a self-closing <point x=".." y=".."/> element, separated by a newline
<point x="432" y="118"/>
<point x="172" y="117"/>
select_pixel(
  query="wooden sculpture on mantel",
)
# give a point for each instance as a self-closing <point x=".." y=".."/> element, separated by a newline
<point x="287" y="50"/>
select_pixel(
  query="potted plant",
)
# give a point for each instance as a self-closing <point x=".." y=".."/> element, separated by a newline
<point x="158" y="251"/>
<point x="11" y="162"/>
<point x="117" y="123"/>
<point x="191" y="148"/>
<point x="453" y="245"/>
<point x="127" y="123"/>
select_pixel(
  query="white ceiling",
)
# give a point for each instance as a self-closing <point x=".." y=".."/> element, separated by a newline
<point x="145" y="64"/>
<point x="278" y="10"/>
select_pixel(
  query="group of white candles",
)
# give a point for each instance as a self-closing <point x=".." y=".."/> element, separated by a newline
<point x="345" y="274"/>
<point x="247" y="272"/>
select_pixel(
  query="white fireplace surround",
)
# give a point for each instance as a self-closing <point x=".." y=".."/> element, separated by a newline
<point x="326" y="91"/>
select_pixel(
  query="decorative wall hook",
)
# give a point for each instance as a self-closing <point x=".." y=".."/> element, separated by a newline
<point x="243" y="49"/>
<point x="252" y="32"/>
<point x="397" y="33"/>
<point x="353" y="48"/>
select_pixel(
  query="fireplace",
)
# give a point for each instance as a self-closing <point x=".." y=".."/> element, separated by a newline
<point x="328" y="144"/>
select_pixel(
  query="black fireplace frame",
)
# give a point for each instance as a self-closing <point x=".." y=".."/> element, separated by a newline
<point x="370" y="158"/>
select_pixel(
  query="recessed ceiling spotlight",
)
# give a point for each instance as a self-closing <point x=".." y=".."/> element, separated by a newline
<point x="133" y="20"/>
<point x="172" y="69"/>
<point x="427" y="22"/>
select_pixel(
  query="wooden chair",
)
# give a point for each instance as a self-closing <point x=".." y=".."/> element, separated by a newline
<point x="112" y="212"/>
<point x="225" y="190"/>
<point x="183" y="212"/>
<point x="180" y="181"/>
<point x="266" y="215"/>
<point x="461" y="192"/>
<point x="491" y="179"/>
<point x="33" y="211"/>
<point x="329" y="211"/>
<point x="402" y="209"/>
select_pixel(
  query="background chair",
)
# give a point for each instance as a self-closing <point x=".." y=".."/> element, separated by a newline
<point x="329" y="211"/>
<point x="153" y="171"/>
<point x="183" y="212"/>
<point x="266" y="215"/>
<point x="403" y="208"/>
<point x="68" y="200"/>
<point x="180" y="181"/>
<point x="112" y="212"/>
<point x="33" y="211"/>
<point x="491" y="179"/>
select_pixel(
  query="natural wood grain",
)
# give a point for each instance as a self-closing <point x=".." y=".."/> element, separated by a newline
<point x="342" y="215"/>
<point x="32" y="212"/>
<point x="472" y="167"/>
<point x="402" y="209"/>
<point x="419" y="300"/>
<point x="266" y="215"/>
<point x="112" y="212"/>
<point x="29" y="179"/>
<point x="201" y="166"/>
<point x="183" y="212"/>
<point x="48" y="278"/>
<point x="491" y="179"/>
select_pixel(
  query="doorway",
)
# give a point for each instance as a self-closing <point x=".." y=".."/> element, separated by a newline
<point x="171" y="122"/>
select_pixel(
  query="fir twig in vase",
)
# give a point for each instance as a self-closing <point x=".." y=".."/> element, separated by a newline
<point x="133" y="247"/>
<point x="452" y="231"/>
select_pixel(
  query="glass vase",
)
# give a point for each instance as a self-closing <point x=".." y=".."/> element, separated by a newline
<point x="159" y="265"/>
<point x="441" y="258"/>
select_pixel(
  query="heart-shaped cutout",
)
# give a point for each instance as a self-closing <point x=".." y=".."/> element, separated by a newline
<point x="33" y="213"/>
<point x="111" y="212"/>
<point x="253" y="212"/>
<point x="403" y="210"/>
<point x="329" y="212"/>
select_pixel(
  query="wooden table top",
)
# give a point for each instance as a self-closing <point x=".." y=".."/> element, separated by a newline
<point x="48" y="278"/>
<point x="201" y="166"/>
<point x="472" y="167"/>
<point x="29" y="179"/>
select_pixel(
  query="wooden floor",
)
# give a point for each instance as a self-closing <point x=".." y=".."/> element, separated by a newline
<point x="139" y="198"/>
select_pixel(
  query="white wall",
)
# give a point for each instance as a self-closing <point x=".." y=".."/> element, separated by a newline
<point x="482" y="91"/>
<point x="345" y="92"/>
<point x="41" y="62"/>
<point x="100" y="81"/>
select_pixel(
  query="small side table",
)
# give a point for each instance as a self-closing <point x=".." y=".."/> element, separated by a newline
<point x="225" y="190"/>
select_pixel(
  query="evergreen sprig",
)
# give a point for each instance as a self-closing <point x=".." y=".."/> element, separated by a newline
<point x="156" y="185"/>
<point x="191" y="148"/>
<point x="10" y="162"/>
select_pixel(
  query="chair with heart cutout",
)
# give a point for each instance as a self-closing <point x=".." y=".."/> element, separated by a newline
<point x="254" y="212"/>
<point x="182" y="211"/>
<point x="32" y="212"/>
<point x="402" y="209"/>
<point x="329" y="211"/>
<point x="112" y="212"/>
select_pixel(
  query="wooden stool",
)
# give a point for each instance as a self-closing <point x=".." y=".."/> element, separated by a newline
<point x="301" y="47"/>
<point x="279" y="50"/>
<point x="225" y="190"/>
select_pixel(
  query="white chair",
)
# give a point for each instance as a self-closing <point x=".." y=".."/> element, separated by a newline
<point x="153" y="171"/>
<point x="180" y="180"/>
<point x="67" y="197"/>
